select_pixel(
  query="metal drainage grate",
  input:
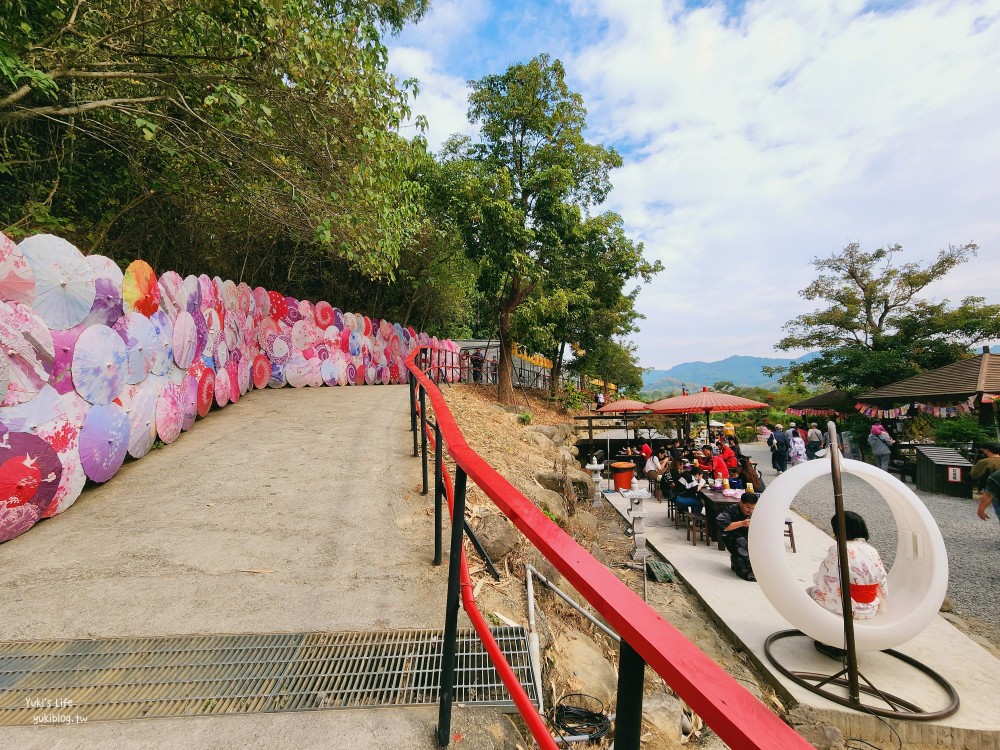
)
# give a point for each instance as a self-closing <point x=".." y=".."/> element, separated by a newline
<point x="130" y="678"/>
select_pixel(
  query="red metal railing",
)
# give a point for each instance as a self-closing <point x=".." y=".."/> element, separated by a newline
<point x="732" y="712"/>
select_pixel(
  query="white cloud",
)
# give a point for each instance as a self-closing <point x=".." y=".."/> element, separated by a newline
<point x="754" y="144"/>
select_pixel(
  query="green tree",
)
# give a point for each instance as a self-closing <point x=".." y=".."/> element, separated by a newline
<point x="527" y="181"/>
<point x="876" y="327"/>
<point x="612" y="361"/>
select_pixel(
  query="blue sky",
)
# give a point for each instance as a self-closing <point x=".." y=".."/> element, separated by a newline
<point x="756" y="135"/>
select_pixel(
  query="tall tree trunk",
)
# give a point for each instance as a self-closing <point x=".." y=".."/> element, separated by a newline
<point x="505" y="384"/>
<point x="557" y="362"/>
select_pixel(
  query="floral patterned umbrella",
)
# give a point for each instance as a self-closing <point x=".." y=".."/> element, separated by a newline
<point x="191" y="292"/>
<point x="64" y="281"/>
<point x="163" y="357"/>
<point x="189" y="402"/>
<point x="243" y="374"/>
<point x="169" y="413"/>
<point x="185" y="339"/>
<point x="141" y="342"/>
<point x="104" y="441"/>
<point x="140" y="292"/>
<point x="222" y="387"/>
<point x="31" y="416"/>
<point x="206" y="391"/>
<point x="17" y="282"/>
<point x="29" y="477"/>
<point x="107" y="307"/>
<point x="296" y="371"/>
<point x="100" y="364"/>
<point x="63" y="435"/>
<point x="261" y="371"/>
<point x="329" y="371"/>
<point x="139" y="402"/>
<point x="232" y="370"/>
<point x="172" y="294"/>
<point x="27" y="344"/>
<point x="64" y="343"/>
<point x="277" y="379"/>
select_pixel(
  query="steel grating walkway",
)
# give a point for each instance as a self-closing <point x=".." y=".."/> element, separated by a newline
<point x="130" y="678"/>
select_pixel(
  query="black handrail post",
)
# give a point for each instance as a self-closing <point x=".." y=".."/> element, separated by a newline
<point x="438" y="490"/>
<point x="423" y="436"/>
<point x="413" y="411"/>
<point x="628" y="722"/>
<point x="451" y="611"/>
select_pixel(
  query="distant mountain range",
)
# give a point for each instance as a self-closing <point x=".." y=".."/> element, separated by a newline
<point x="738" y="369"/>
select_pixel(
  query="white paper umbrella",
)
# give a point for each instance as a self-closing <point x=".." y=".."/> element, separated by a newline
<point x="164" y="356"/>
<point x="139" y="402"/>
<point x="141" y="342"/>
<point x="17" y="282"/>
<point x="172" y="294"/>
<point x="33" y="415"/>
<point x="100" y="365"/>
<point x="64" y="281"/>
<point x="27" y="345"/>
<point x="185" y="339"/>
<point x="108" y="277"/>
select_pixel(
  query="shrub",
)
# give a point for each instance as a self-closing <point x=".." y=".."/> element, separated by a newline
<point x="524" y="418"/>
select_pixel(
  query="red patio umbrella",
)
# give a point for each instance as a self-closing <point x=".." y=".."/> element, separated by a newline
<point x="704" y="402"/>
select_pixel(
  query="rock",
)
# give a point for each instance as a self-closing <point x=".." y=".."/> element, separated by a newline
<point x="554" y="480"/>
<point x="599" y="554"/>
<point x="553" y="502"/>
<point x="662" y="712"/>
<point x="539" y="441"/>
<point x="574" y="451"/>
<point x="582" y="666"/>
<point x="544" y="429"/>
<point x="806" y="722"/>
<point x="558" y="440"/>
<point x="498" y="536"/>
<point x="947" y="605"/>
<point x="543" y="566"/>
<point x="564" y="457"/>
<point x="585" y="525"/>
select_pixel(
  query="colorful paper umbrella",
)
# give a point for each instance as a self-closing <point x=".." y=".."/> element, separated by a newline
<point x="279" y="347"/>
<point x="141" y="343"/>
<point x="104" y="441"/>
<point x="261" y="371"/>
<point x="169" y="413"/>
<point x="329" y="372"/>
<point x="27" y="345"/>
<point x="222" y="387"/>
<point x="338" y="318"/>
<point x="64" y="281"/>
<point x="214" y="323"/>
<point x="29" y="476"/>
<point x="296" y="371"/>
<point x="172" y="296"/>
<point x="206" y="391"/>
<point x="192" y="294"/>
<point x="266" y="327"/>
<point x="243" y="368"/>
<point x="140" y="292"/>
<point x="262" y="302"/>
<point x="163" y="357"/>
<point x="232" y="370"/>
<point x="64" y="342"/>
<point x="17" y="282"/>
<point x="314" y="374"/>
<point x="189" y="402"/>
<point x="305" y="309"/>
<point x="107" y="307"/>
<point x="232" y="328"/>
<point x="278" y="305"/>
<point x="221" y="353"/>
<point x="292" y="314"/>
<point x="63" y="436"/>
<point x="207" y="290"/>
<point x="245" y="296"/>
<point x="201" y="330"/>
<point x="100" y="364"/>
<point x="139" y="402"/>
<point x="277" y="379"/>
<point x="323" y="314"/>
<point x="185" y="339"/>
<point x="33" y="415"/>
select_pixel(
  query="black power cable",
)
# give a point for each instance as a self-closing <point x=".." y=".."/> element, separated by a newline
<point x="579" y="721"/>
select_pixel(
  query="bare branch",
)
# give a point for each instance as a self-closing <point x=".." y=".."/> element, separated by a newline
<point x="28" y="113"/>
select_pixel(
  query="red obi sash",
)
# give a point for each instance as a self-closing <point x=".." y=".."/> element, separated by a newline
<point x="864" y="593"/>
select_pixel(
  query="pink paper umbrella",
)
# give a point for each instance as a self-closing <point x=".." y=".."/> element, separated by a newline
<point x="314" y="374"/>
<point x="104" y="441"/>
<point x="233" y="371"/>
<point x="223" y="389"/>
<point x="100" y="364"/>
<point x="63" y="436"/>
<point x="64" y="281"/>
<point x="141" y="342"/>
<point x="27" y="345"/>
<point x="33" y="415"/>
<point x="243" y="374"/>
<point x="169" y="413"/>
<point x="29" y="476"/>
<point x="206" y="390"/>
<point x="171" y="293"/>
<point x="189" y="402"/>
<point x="107" y="307"/>
<point x="185" y="339"/>
<point x="139" y="402"/>
<point x="64" y="342"/>
<point x="262" y="302"/>
<point x="297" y="371"/>
<point x="163" y="358"/>
<point x="261" y="371"/>
<point x="17" y="282"/>
<point x="323" y="314"/>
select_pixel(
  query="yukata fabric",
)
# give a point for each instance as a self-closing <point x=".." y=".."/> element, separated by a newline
<point x="866" y="569"/>
<point x="798" y="451"/>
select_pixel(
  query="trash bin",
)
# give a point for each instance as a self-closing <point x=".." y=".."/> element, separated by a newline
<point x="943" y="471"/>
<point x="623" y="471"/>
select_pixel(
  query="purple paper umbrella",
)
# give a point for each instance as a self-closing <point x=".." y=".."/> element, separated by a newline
<point x="192" y="294"/>
<point x="201" y="330"/>
<point x="100" y="364"/>
<point x="164" y="357"/>
<point x="278" y="379"/>
<point x="104" y="441"/>
<point x="169" y="413"/>
<point x="64" y="343"/>
<point x="27" y="345"/>
<point x="328" y="369"/>
<point x="29" y="476"/>
<point x="141" y="342"/>
<point x="108" y="279"/>
<point x="185" y="339"/>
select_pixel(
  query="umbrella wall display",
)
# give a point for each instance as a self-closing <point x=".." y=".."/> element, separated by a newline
<point x="107" y="307"/>
<point x="29" y="477"/>
<point x="30" y="354"/>
<point x="140" y="292"/>
<point x="17" y="282"/>
<point x="100" y="364"/>
<point x="704" y="402"/>
<point x="104" y="441"/>
<point x="64" y="281"/>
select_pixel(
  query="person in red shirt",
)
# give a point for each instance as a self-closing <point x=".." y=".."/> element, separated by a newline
<point x="646" y="451"/>
<point x="728" y="455"/>
<point x="716" y="464"/>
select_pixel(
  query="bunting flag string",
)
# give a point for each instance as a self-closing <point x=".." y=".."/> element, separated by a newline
<point x="935" y="409"/>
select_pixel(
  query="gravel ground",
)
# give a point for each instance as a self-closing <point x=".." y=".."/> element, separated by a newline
<point x="974" y="572"/>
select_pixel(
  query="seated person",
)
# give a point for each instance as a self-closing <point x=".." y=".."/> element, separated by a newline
<point x="714" y="466"/>
<point x="734" y="524"/>
<point x="749" y="474"/>
<point x="656" y="466"/>
<point x="689" y="486"/>
<point x="646" y="451"/>
<point x="869" y="591"/>
<point x="728" y="455"/>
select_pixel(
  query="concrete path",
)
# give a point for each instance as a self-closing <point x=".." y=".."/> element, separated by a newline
<point x="742" y="609"/>
<point x="292" y="510"/>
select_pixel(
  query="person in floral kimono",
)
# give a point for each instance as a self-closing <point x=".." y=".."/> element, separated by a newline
<point x="868" y="580"/>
